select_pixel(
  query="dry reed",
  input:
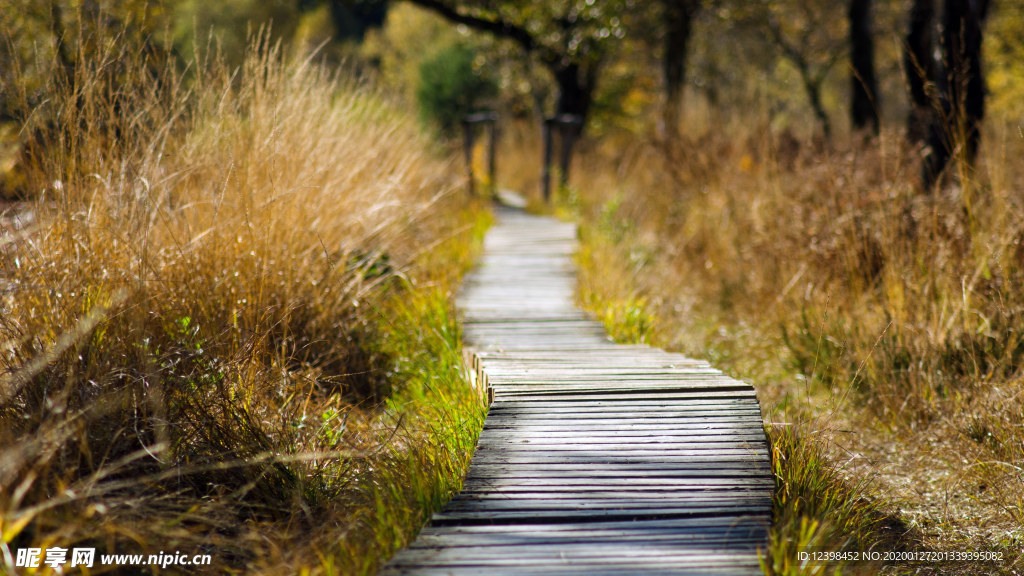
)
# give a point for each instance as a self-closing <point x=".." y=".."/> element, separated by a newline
<point x="199" y="330"/>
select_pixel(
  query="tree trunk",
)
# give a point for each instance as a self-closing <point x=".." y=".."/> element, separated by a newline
<point x="61" y="41"/>
<point x="812" y="86"/>
<point x="678" y="15"/>
<point x="814" y="93"/>
<point x="963" y="24"/>
<point x="864" y="103"/>
<point x="957" y="129"/>
<point x="576" y="84"/>
<point x="353" y="19"/>
<point x="920" y="67"/>
<point x="575" y="89"/>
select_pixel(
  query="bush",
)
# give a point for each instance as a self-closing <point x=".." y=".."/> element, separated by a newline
<point x="450" y="88"/>
<point x="190" y="334"/>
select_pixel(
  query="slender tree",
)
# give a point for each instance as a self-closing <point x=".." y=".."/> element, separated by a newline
<point x="678" y="21"/>
<point x="864" y="98"/>
<point x="807" y="35"/>
<point x="920" y="67"/>
<point x="956" y="124"/>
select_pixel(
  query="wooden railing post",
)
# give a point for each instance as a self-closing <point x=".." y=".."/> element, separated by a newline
<point x="467" y="138"/>
<point x="492" y="162"/>
<point x="546" y="176"/>
<point x="568" y="129"/>
<point x="469" y="127"/>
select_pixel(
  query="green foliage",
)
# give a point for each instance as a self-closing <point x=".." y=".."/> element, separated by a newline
<point x="426" y="433"/>
<point x="408" y="36"/>
<point x="1004" y="53"/>
<point x="815" y="507"/>
<point x="606" y="286"/>
<point x="813" y="350"/>
<point x="229" y="24"/>
<point x="450" y="87"/>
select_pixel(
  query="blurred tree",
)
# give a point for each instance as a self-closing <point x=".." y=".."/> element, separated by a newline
<point x="728" y="78"/>
<point x="45" y="43"/>
<point x="807" y="35"/>
<point x="956" y="122"/>
<point x="571" y="38"/>
<point x="864" y="104"/>
<point x="229" y="25"/>
<point x="353" y="18"/>
<point x="678" y="17"/>
<point x="920" y="67"/>
<point x="409" y="36"/>
<point x="43" y="38"/>
<point x="450" y="88"/>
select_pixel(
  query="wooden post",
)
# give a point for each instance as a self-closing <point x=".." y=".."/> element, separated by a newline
<point x="568" y="128"/>
<point x="566" y="140"/>
<point x="469" y="127"/>
<point x="546" y="177"/>
<point x="467" y="132"/>
<point x="492" y="153"/>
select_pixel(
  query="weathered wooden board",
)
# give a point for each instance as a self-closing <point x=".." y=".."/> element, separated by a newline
<point x="596" y="458"/>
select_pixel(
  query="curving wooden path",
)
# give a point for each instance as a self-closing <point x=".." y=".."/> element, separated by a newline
<point x="596" y="458"/>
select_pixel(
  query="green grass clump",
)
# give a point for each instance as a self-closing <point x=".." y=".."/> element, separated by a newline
<point x="427" y="431"/>
<point x="816" y="508"/>
<point x="611" y="296"/>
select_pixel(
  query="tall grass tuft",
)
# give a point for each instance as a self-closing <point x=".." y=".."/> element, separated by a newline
<point x="198" y="348"/>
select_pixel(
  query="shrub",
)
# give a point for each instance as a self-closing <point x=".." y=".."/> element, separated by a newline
<point x="190" y="335"/>
<point x="450" y="87"/>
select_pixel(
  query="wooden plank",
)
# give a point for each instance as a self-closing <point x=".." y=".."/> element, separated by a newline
<point x="552" y="408"/>
<point x="578" y="372"/>
<point x="739" y="458"/>
<point x="585" y="483"/>
<point x="604" y="568"/>
<point x="719" y="538"/>
<point x="677" y="524"/>
<point x="659" y="551"/>
<point x="617" y="386"/>
<point x="633" y="395"/>
<point x="572" y="404"/>
<point x="626" y="411"/>
<point x="715" y="468"/>
<point x="577" y="437"/>
<point x="715" y="536"/>
<point x="700" y="422"/>
<point x="489" y="516"/>
<point x="570" y="499"/>
<point x="605" y="498"/>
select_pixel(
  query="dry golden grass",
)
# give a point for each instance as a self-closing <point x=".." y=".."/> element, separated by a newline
<point x="880" y="324"/>
<point x="227" y="276"/>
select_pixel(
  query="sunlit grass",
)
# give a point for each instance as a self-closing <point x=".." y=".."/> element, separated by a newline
<point x="880" y="323"/>
<point x="229" y="329"/>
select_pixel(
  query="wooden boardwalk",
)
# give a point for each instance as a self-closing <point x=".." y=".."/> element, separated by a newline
<point x="596" y="458"/>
